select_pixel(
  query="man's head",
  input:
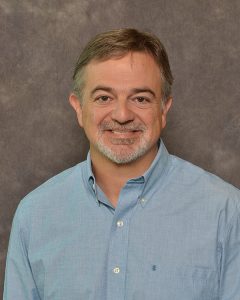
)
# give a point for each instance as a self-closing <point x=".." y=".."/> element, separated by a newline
<point x="121" y="80"/>
<point x="117" y="43"/>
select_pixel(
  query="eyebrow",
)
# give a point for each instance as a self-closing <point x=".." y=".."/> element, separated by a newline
<point x="143" y="90"/>
<point x="102" y="88"/>
<point x="133" y="91"/>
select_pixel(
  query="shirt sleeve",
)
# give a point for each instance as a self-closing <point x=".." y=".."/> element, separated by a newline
<point x="230" y="266"/>
<point x="19" y="282"/>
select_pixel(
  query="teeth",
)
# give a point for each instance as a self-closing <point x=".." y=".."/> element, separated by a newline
<point x="116" y="131"/>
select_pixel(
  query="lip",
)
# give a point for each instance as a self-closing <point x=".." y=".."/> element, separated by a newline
<point x="123" y="133"/>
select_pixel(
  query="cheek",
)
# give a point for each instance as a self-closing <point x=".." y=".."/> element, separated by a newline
<point x="86" y="116"/>
<point x="154" y="120"/>
<point x="155" y="126"/>
<point x="91" y="119"/>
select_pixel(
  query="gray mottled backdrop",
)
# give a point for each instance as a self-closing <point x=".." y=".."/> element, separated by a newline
<point x="39" y="43"/>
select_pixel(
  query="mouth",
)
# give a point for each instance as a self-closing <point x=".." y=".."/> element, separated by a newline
<point x="123" y="133"/>
<point x="117" y="131"/>
<point x="122" y="137"/>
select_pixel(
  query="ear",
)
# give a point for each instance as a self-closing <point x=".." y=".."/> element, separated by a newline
<point x="76" y="105"/>
<point x="166" y="106"/>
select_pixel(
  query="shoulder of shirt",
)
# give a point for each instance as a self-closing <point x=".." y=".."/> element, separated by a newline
<point x="191" y="175"/>
<point x="57" y="184"/>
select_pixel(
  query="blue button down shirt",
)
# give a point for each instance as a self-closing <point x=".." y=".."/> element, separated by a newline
<point x="174" y="235"/>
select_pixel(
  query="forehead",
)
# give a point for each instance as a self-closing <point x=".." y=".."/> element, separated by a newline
<point x="134" y="68"/>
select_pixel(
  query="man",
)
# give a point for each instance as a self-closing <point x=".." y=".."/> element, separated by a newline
<point x="132" y="221"/>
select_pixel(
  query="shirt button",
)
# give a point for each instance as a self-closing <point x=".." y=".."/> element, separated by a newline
<point x="116" y="270"/>
<point x="119" y="223"/>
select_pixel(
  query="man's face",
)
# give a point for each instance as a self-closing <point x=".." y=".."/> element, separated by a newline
<point x="121" y="109"/>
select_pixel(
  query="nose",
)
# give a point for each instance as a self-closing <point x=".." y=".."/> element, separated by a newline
<point x="122" y="113"/>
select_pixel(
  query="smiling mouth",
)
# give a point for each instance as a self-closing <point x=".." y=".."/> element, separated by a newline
<point x="123" y="131"/>
<point x="123" y="137"/>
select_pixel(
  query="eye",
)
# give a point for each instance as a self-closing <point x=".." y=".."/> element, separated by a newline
<point x="141" y="99"/>
<point x="103" y="99"/>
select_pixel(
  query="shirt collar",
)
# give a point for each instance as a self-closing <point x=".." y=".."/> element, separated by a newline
<point x="149" y="178"/>
<point x="155" y="173"/>
<point x="89" y="174"/>
<point x="158" y="164"/>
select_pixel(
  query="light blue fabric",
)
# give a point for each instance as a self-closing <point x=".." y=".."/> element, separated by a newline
<point x="175" y="235"/>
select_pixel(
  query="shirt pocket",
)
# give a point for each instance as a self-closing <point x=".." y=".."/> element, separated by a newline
<point x="183" y="282"/>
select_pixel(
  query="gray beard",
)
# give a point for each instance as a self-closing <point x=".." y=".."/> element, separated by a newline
<point x="121" y="157"/>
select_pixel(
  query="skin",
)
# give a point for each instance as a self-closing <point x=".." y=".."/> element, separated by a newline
<point x="123" y="116"/>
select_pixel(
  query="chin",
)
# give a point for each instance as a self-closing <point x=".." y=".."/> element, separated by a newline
<point x="122" y="155"/>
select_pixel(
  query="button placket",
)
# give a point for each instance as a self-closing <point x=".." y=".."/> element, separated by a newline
<point x="118" y="248"/>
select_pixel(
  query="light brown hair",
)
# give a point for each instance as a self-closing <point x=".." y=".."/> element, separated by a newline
<point x="117" y="43"/>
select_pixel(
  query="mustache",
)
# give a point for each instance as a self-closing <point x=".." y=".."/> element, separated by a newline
<point x="114" y="126"/>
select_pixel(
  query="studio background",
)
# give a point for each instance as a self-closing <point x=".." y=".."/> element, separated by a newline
<point x="39" y="44"/>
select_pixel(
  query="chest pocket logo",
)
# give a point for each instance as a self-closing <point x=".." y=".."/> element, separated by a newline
<point x="188" y="283"/>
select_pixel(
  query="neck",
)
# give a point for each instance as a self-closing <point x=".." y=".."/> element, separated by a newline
<point x="112" y="177"/>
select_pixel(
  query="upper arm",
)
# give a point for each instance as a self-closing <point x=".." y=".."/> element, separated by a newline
<point x="19" y="282"/>
<point x="230" y="264"/>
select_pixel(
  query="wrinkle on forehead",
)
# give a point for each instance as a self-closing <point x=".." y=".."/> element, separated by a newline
<point x="135" y="70"/>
